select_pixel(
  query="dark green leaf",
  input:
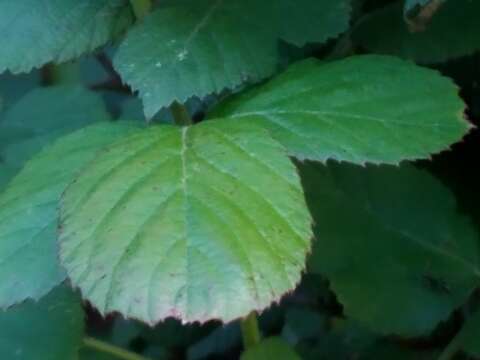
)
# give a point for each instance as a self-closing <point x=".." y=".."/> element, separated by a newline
<point x="375" y="109"/>
<point x="218" y="342"/>
<point x="199" y="47"/>
<point x="43" y="115"/>
<point x="37" y="32"/>
<point x="51" y="329"/>
<point x="397" y="254"/>
<point x="452" y="32"/>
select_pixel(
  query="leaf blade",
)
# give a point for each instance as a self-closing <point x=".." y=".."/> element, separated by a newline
<point x="438" y="42"/>
<point x="196" y="48"/>
<point x="188" y="193"/>
<point x="374" y="109"/>
<point x="37" y="32"/>
<point x="400" y="258"/>
<point x="26" y="337"/>
<point x="28" y="250"/>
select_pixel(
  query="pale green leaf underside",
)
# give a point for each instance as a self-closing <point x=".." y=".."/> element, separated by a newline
<point x="51" y="329"/>
<point x="197" y="223"/>
<point x="375" y="109"/>
<point x="271" y="348"/>
<point x="452" y="32"/>
<point x="36" y="32"/>
<point x="29" y="265"/>
<point x="397" y="254"/>
<point x="199" y="47"/>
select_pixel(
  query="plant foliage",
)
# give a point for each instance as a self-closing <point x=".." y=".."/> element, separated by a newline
<point x="296" y="176"/>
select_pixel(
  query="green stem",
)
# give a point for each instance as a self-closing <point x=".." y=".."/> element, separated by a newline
<point x="250" y="331"/>
<point x="451" y="349"/>
<point x="141" y="8"/>
<point x="180" y="114"/>
<point x="104" y="347"/>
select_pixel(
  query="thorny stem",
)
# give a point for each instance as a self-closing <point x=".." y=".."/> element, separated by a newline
<point x="180" y="114"/>
<point x="141" y="8"/>
<point x="116" y="351"/>
<point x="250" y="331"/>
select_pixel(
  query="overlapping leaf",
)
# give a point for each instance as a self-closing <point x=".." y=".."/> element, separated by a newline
<point x="29" y="265"/>
<point x="43" y="115"/>
<point x="36" y="32"/>
<point x="452" y="32"/>
<point x="397" y="254"/>
<point x="50" y="329"/>
<point x="199" y="222"/>
<point x="198" y="47"/>
<point x="374" y="109"/>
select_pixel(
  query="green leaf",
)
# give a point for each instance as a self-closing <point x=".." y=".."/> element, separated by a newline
<point x="199" y="47"/>
<point x="271" y="348"/>
<point x="397" y="254"/>
<point x="28" y="212"/>
<point x="51" y="329"/>
<point x="373" y="109"/>
<point x="6" y="173"/>
<point x="37" y="32"/>
<point x="468" y="337"/>
<point x="452" y="32"/>
<point x="13" y="87"/>
<point x="43" y="115"/>
<point x="196" y="223"/>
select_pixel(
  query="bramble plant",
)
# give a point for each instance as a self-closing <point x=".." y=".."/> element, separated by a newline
<point x="200" y="172"/>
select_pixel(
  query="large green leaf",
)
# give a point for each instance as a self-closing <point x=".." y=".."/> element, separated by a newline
<point x="51" y="329"/>
<point x="452" y="32"/>
<point x="28" y="212"/>
<point x="397" y="254"/>
<point x="271" y="348"/>
<point x="43" y="115"/>
<point x="36" y="32"/>
<point x="198" y="47"/>
<point x="374" y="109"/>
<point x="199" y="222"/>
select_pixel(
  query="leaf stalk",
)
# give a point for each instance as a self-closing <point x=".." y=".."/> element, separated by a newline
<point x="116" y="351"/>
<point x="250" y="330"/>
